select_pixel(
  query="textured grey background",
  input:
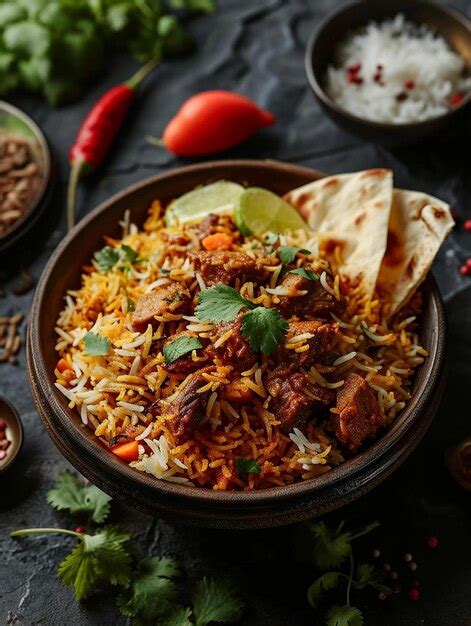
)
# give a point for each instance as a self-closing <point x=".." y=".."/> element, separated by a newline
<point x="256" y="48"/>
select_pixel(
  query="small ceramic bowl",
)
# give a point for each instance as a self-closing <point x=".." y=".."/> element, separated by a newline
<point x="14" y="121"/>
<point x="14" y="433"/>
<point x="179" y="503"/>
<point x="451" y="24"/>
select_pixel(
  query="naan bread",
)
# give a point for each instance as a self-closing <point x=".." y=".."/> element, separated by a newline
<point x="418" y="225"/>
<point x="350" y="211"/>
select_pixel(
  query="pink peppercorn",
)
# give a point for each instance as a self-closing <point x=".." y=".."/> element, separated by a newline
<point x="465" y="270"/>
<point x="3" y="424"/>
<point x="468" y="263"/>
<point x="432" y="541"/>
<point x="467" y="225"/>
<point x="414" y="594"/>
<point x="456" y="99"/>
<point x="409" y="83"/>
<point x="80" y="530"/>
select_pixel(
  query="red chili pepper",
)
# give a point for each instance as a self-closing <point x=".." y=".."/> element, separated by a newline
<point x="212" y="121"/>
<point x="99" y="130"/>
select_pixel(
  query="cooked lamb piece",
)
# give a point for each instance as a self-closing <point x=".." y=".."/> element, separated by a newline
<point x="294" y="397"/>
<point x="359" y="416"/>
<point x="173" y="298"/>
<point x="185" y="364"/>
<point x="189" y="407"/>
<point x="225" y="266"/>
<point x="325" y="337"/>
<point x="213" y="223"/>
<point x="317" y="302"/>
<point x="236" y="350"/>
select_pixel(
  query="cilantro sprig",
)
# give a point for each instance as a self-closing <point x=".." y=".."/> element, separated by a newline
<point x="263" y="328"/>
<point x="179" y="347"/>
<point x="328" y="548"/>
<point x="96" y="345"/>
<point x="247" y="466"/>
<point x="287" y="254"/>
<point x="72" y="495"/>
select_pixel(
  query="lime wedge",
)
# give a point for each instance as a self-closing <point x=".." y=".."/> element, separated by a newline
<point x="259" y="211"/>
<point x="219" y="197"/>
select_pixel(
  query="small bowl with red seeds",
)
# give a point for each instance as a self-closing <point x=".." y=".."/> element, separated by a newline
<point x="392" y="72"/>
<point x="11" y="434"/>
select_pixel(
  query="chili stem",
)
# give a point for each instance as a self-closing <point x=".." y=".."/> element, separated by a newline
<point x="75" y="174"/>
<point x="141" y="73"/>
<point x="350" y="579"/>
<point x="44" y="531"/>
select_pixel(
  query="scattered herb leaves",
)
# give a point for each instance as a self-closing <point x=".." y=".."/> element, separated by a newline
<point x="344" y="616"/>
<point x="71" y="494"/>
<point x="264" y="328"/>
<point x="96" y="345"/>
<point x="324" y="583"/>
<point x="287" y="254"/>
<point x="307" y="274"/>
<point x="247" y="466"/>
<point x="180" y="346"/>
<point x="215" y="601"/>
<point x="220" y="303"/>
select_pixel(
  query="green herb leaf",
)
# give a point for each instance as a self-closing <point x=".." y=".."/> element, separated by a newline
<point x="215" y="601"/>
<point x="109" y="257"/>
<point x="326" y="582"/>
<point x="204" y="6"/>
<point x="328" y="549"/>
<point x="344" y="616"/>
<point x="368" y="576"/>
<point x="152" y="592"/>
<point x="180" y="346"/>
<point x="287" y="254"/>
<point x="180" y="616"/>
<point x="96" y="345"/>
<point x="308" y="275"/>
<point x="264" y="328"/>
<point x="97" y="559"/>
<point x="71" y="494"/>
<point x="247" y="466"/>
<point x="220" y="303"/>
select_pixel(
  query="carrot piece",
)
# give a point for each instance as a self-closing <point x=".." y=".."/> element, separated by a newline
<point x="127" y="451"/>
<point x="62" y="365"/>
<point x="217" y="241"/>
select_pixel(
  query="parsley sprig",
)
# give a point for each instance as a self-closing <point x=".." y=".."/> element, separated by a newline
<point x="263" y="328"/>
<point x="327" y="549"/>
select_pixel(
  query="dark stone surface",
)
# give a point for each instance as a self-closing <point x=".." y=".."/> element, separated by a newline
<point x="255" y="48"/>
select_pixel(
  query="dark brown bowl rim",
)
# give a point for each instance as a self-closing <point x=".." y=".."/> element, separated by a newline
<point x="316" y="85"/>
<point x="416" y="407"/>
<point x="23" y="224"/>
<point x="20" y="435"/>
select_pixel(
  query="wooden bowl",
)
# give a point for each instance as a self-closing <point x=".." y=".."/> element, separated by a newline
<point x="452" y="25"/>
<point x="269" y="507"/>
<point x="13" y="120"/>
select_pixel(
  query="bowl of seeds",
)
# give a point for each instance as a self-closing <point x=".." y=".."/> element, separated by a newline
<point x="25" y="174"/>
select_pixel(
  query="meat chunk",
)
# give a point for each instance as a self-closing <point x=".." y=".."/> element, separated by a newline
<point x="185" y="364"/>
<point x="359" y="417"/>
<point x="173" y="298"/>
<point x="294" y="397"/>
<point x="213" y="223"/>
<point x="236" y="350"/>
<point x="317" y="302"/>
<point x="224" y="266"/>
<point x="323" y="340"/>
<point x="189" y="406"/>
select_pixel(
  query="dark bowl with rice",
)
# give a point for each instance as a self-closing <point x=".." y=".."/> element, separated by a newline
<point x="321" y="52"/>
<point x="179" y="503"/>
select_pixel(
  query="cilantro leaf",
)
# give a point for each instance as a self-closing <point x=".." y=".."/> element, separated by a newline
<point x="215" y="601"/>
<point x="287" y="254"/>
<point x="152" y="592"/>
<point x="220" y="303"/>
<point x="300" y="271"/>
<point x="96" y="345"/>
<point x="180" y="616"/>
<point x="247" y="466"/>
<point x="344" y="616"/>
<point x="69" y="493"/>
<point x="368" y="576"/>
<point x="328" y="549"/>
<point x="97" y="559"/>
<point x="109" y="257"/>
<point x="326" y="582"/>
<point x="264" y="328"/>
<point x="206" y="6"/>
<point x="180" y="346"/>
